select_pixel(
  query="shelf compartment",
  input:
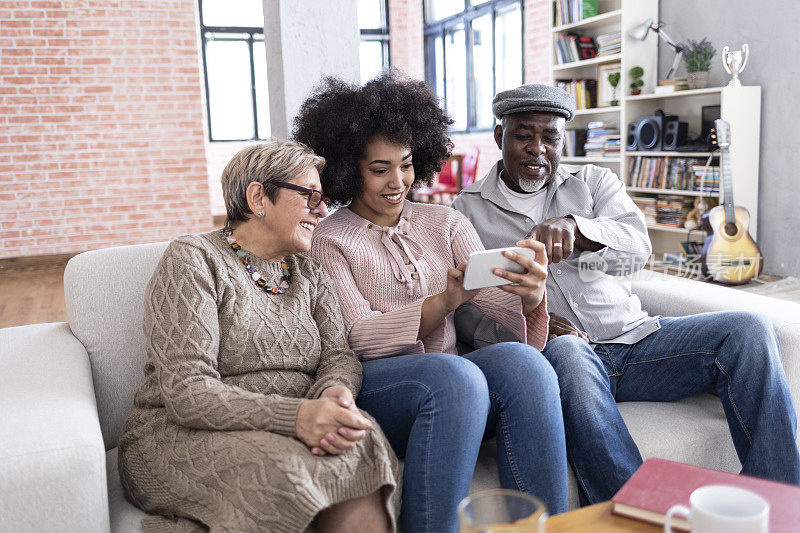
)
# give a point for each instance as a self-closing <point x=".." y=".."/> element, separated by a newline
<point x="613" y="58"/>
<point x="603" y="19"/>
<point x="671" y="154"/>
<point x="690" y="92"/>
<point x="671" y="229"/>
<point x="650" y="190"/>
<point x="583" y="160"/>
<point x="598" y="110"/>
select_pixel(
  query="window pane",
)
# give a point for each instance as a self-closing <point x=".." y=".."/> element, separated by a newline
<point x="237" y="13"/>
<point x="262" y="89"/>
<point x="438" y="53"/>
<point x="370" y="14"/>
<point x="508" y="43"/>
<point x="456" y="79"/>
<point x="371" y="54"/>
<point x="482" y="76"/>
<point x="229" y="97"/>
<point x="477" y="2"/>
<point x="439" y="9"/>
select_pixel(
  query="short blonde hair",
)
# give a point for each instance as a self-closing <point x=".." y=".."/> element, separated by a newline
<point x="264" y="163"/>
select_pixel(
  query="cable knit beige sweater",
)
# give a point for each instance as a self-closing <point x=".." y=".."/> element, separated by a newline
<point x="384" y="274"/>
<point x="212" y="434"/>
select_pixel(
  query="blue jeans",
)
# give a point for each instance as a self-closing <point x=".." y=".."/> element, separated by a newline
<point x="734" y="354"/>
<point x="436" y="409"/>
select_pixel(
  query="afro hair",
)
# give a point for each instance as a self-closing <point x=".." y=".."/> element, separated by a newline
<point x="339" y="119"/>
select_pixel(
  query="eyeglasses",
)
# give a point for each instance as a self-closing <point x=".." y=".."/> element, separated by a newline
<point x="314" y="197"/>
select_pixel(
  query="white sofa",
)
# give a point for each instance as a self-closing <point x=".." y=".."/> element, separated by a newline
<point x="66" y="389"/>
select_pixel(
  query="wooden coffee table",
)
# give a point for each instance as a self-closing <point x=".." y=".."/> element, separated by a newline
<point x="597" y="519"/>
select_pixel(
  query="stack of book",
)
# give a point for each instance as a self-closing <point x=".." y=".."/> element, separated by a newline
<point x="573" y="47"/>
<point x="574" y="141"/>
<point x="648" y="206"/>
<point x="671" y="210"/>
<point x="598" y="134"/>
<point x="706" y="179"/>
<point x="584" y="91"/>
<point x="567" y="11"/>
<point x="670" y="85"/>
<point x="609" y="43"/>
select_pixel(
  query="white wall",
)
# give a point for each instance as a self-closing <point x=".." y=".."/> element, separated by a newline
<point x="771" y="31"/>
<point x="304" y="42"/>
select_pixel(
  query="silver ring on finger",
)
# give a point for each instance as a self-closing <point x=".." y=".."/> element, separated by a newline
<point x="557" y="244"/>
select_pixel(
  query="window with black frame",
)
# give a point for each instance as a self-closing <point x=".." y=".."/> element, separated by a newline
<point x="235" y="69"/>
<point x="373" y="21"/>
<point x="473" y="49"/>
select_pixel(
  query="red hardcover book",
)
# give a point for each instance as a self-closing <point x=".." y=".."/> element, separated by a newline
<point x="586" y="48"/>
<point x="659" y="484"/>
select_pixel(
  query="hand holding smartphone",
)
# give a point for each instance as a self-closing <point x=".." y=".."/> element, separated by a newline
<point x="480" y="265"/>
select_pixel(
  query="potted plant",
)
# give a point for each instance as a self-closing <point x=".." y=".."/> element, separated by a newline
<point x="697" y="57"/>
<point x="613" y="80"/>
<point x="636" y="74"/>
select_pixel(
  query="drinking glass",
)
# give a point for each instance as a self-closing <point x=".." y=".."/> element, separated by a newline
<point x="502" y="511"/>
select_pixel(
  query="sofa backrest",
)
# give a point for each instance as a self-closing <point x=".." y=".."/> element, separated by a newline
<point x="104" y="292"/>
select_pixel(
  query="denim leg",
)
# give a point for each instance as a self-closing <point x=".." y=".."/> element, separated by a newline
<point x="525" y="415"/>
<point x="734" y="353"/>
<point x="432" y="408"/>
<point x="599" y="447"/>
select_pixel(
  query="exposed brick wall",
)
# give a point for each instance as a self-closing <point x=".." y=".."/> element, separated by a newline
<point x="538" y="44"/>
<point x="406" y="37"/>
<point x="101" y="125"/>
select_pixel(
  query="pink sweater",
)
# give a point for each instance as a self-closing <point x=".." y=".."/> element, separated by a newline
<point x="383" y="274"/>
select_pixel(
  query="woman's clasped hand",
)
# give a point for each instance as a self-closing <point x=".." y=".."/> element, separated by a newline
<point x="332" y="423"/>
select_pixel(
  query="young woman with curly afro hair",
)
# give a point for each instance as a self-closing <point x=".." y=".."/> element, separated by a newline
<point x="398" y="267"/>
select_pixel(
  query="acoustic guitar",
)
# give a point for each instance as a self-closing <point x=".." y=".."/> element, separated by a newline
<point x="730" y="255"/>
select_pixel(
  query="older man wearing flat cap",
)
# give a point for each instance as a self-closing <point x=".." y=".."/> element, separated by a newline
<point x="604" y="347"/>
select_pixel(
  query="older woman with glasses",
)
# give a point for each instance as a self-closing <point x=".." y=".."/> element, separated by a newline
<point x="246" y="419"/>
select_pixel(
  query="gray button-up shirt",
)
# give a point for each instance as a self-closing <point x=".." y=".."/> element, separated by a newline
<point x="588" y="287"/>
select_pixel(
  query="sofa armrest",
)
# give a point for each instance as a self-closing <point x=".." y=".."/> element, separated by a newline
<point x="673" y="296"/>
<point x="52" y="457"/>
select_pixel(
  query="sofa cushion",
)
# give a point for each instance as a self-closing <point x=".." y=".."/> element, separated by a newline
<point x="104" y="292"/>
<point x="52" y="475"/>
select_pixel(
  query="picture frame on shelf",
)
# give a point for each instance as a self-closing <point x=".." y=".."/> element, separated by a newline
<point x="605" y="92"/>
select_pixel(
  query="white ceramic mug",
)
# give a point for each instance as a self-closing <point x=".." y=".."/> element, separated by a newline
<point x="716" y="508"/>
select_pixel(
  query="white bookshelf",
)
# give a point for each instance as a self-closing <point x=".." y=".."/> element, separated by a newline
<point x="741" y="107"/>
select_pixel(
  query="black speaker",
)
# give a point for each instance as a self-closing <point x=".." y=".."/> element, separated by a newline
<point x="674" y="134"/>
<point x="630" y="144"/>
<point x="648" y="133"/>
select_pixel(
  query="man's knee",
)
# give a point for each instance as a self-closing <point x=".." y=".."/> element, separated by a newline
<point x="576" y="364"/>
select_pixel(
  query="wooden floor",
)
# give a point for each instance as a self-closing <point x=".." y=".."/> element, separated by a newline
<point x="32" y="291"/>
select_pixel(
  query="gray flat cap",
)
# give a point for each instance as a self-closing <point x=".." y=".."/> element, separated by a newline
<point x="534" y="97"/>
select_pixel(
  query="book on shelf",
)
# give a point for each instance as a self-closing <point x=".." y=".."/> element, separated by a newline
<point x="679" y="173"/>
<point x="568" y="11"/>
<point x="609" y="43"/>
<point x="672" y="210"/>
<point x="659" y="484"/>
<point x="670" y="85"/>
<point x="574" y="141"/>
<point x="602" y="139"/>
<point x="647" y="204"/>
<point x="571" y="47"/>
<point x="584" y="91"/>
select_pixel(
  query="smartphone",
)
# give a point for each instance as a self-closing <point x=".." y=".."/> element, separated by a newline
<point x="480" y="265"/>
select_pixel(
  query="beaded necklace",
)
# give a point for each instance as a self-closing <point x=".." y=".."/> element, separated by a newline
<point x="251" y="269"/>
